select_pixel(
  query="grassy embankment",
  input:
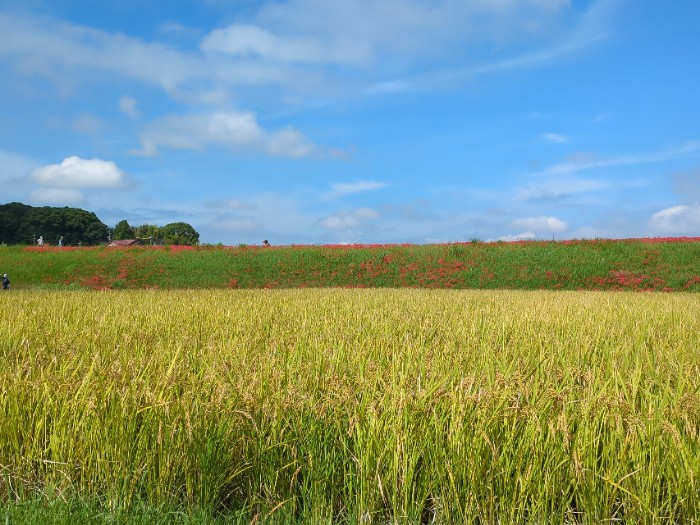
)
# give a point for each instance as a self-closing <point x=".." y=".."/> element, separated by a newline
<point x="349" y="406"/>
<point x="589" y="265"/>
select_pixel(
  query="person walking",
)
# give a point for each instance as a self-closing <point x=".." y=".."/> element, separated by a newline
<point x="60" y="241"/>
<point x="5" y="282"/>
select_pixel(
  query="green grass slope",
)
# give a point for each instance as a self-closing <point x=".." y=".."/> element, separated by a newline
<point x="644" y="264"/>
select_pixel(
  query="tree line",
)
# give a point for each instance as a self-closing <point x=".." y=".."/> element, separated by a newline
<point x="24" y="224"/>
<point x="174" y="233"/>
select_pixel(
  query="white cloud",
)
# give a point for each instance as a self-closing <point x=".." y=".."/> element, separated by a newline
<point x="348" y="188"/>
<point x="288" y="143"/>
<point x="677" y="220"/>
<point x="127" y="105"/>
<point x="525" y="236"/>
<point x="238" y="130"/>
<point x="75" y="172"/>
<point x="556" y="138"/>
<point x="57" y="197"/>
<point x="349" y="219"/>
<point x="251" y="40"/>
<point x="540" y="224"/>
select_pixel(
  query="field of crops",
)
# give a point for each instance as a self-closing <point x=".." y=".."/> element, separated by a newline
<point x="349" y="406"/>
<point x="641" y="264"/>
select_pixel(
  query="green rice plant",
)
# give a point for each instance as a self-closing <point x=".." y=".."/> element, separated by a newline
<point x="350" y="406"/>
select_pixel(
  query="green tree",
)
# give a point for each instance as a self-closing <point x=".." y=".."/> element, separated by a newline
<point x="147" y="231"/>
<point x="123" y="231"/>
<point x="80" y="226"/>
<point x="179" y="233"/>
<point x="73" y="224"/>
<point x="11" y="218"/>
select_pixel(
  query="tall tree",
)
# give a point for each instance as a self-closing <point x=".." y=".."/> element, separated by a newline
<point x="179" y="233"/>
<point x="123" y="231"/>
<point x="73" y="224"/>
<point x="147" y="231"/>
<point x="11" y="217"/>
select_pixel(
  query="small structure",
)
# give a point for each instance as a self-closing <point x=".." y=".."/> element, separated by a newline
<point x="124" y="243"/>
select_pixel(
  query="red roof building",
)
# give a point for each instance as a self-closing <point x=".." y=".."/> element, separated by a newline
<point x="125" y="242"/>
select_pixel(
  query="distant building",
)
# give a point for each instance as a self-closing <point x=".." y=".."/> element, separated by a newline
<point x="125" y="242"/>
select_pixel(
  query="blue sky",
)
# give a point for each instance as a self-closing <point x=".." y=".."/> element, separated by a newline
<point x="357" y="121"/>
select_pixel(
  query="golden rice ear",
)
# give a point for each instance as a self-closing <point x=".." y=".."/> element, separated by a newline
<point x="334" y="405"/>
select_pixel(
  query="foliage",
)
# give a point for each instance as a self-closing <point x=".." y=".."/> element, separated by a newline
<point x="22" y="224"/>
<point x="147" y="231"/>
<point x="353" y="406"/>
<point x="122" y="231"/>
<point x="179" y="233"/>
<point x="11" y="218"/>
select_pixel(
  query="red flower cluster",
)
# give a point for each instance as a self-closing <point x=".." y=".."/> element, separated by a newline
<point x="623" y="280"/>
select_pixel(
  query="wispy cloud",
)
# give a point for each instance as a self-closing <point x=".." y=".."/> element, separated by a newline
<point x="591" y="162"/>
<point x="280" y="39"/>
<point x="590" y="29"/>
<point x="556" y="138"/>
<point x="60" y="50"/>
<point x="556" y="187"/>
<point x="564" y="178"/>
<point x="361" y="32"/>
<point x="127" y="105"/>
<point x="348" y="219"/>
<point x="601" y="117"/>
<point x="236" y="130"/>
<point x="342" y="189"/>
<point x="230" y="204"/>
<point x="388" y="87"/>
<point x="246" y="40"/>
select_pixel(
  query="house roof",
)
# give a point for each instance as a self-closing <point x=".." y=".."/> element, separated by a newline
<point x="125" y="242"/>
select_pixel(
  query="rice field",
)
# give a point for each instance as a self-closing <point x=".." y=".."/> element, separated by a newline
<point x="349" y="406"/>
